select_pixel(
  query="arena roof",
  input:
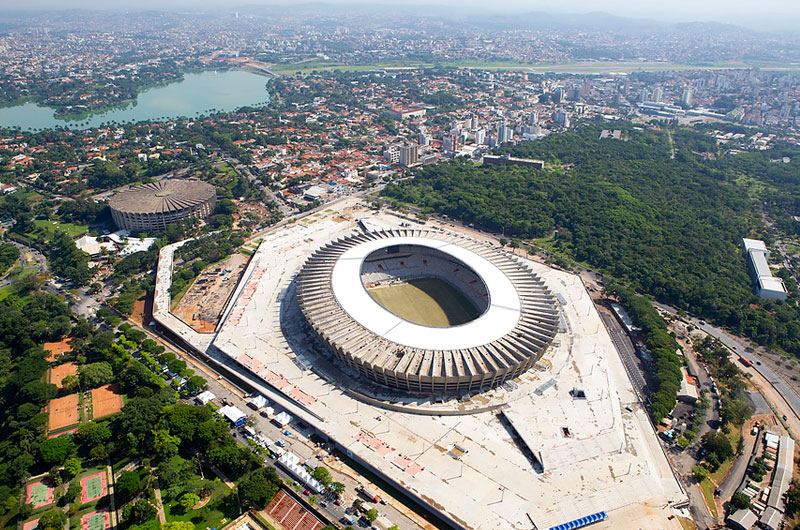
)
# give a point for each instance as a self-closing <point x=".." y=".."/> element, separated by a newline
<point x="166" y="195"/>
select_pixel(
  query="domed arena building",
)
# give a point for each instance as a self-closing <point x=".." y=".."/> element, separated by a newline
<point x="151" y="207"/>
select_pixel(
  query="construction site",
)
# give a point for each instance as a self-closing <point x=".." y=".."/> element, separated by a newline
<point x="563" y="444"/>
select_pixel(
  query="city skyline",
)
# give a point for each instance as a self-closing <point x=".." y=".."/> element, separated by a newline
<point x="780" y="15"/>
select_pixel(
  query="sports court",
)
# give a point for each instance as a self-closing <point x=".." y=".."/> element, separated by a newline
<point x="58" y="373"/>
<point x="426" y="301"/>
<point x="33" y="524"/>
<point x="95" y="521"/>
<point x="93" y="487"/>
<point x="56" y="349"/>
<point x="106" y="400"/>
<point x="39" y="494"/>
<point x="63" y="412"/>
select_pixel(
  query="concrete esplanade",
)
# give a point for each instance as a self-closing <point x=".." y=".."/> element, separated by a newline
<point x="517" y="313"/>
<point x="155" y="205"/>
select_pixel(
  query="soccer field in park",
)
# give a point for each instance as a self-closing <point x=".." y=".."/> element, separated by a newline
<point x="426" y="301"/>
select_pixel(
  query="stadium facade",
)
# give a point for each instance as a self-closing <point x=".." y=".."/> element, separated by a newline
<point x="153" y="206"/>
<point x="517" y="315"/>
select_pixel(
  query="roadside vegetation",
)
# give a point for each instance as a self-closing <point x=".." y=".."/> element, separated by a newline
<point x="671" y="228"/>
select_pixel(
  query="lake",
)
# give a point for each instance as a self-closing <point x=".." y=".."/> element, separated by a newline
<point x="194" y="95"/>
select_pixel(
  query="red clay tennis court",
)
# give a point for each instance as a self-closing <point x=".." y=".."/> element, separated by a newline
<point x="106" y="400"/>
<point x="58" y="373"/>
<point x="63" y="412"/>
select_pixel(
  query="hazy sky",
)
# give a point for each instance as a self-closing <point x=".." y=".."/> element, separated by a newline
<point x="762" y="13"/>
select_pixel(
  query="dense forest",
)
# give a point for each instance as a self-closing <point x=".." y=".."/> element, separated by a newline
<point x="670" y="227"/>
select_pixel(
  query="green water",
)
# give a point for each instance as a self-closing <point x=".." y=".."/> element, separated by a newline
<point x="194" y="95"/>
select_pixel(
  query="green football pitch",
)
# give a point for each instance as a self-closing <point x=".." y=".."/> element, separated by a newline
<point x="426" y="301"/>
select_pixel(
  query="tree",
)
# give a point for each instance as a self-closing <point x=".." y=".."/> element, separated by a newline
<point x="73" y="491"/>
<point x="322" y="475"/>
<point x="178" y="525"/>
<point x="259" y="487"/>
<point x="700" y="473"/>
<point x="739" y="501"/>
<point x="93" y="433"/>
<point x="372" y="514"/>
<point x="717" y="447"/>
<point x="793" y="498"/>
<point x="96" y="374"/>
<point x="357" y="504"/>
<point x="52" y="520"/>
<point x="189" y="500"/>
<point x="55" y="450"/>
<point x="70" y="382"/>
<point x="196" y="383"/>
<point x="128" y="485"/>
<point x="141" y="511"/>
<point x="72" y="467"/>
<point x="337" y="487"/>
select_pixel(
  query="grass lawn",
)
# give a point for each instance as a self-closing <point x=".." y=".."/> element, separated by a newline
<point x="687" y="524"/>
<point x="5" y="291"/>
<point x="708" y="492"/>
<point x="426" y="301"/>
<point x="48" y="228"/>
<point x="209" y="516"/>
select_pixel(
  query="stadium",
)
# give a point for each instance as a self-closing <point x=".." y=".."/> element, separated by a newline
<point x="427" y="312"/>
<point x="153" y="206"/>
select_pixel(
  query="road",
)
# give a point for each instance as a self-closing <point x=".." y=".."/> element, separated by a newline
<point x="735" y="477"/>
<point x="242" y="169"/>
<point x="775" y="390"/>
<point x="41" y="262"/>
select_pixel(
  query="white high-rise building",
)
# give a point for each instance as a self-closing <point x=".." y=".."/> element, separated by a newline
<point x="533" y="119"/>
<point x="561" y="118"/>
<point x="480" y="137"/>
<point x="423" y="139"/>
<point x="658" y="94"/>
<point x="686" y="97"/>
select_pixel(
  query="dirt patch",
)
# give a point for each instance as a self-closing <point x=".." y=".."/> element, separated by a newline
<point x="106" y="400"/>
<point x="138" y="312"/>
<point x="63" y="412"/>
<point x="56" y="349"/>
<point x="58" y="373"/>
<point x="203" y="303"/>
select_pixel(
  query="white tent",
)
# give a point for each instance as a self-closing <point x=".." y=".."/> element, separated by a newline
<point x="291" y="463"/>
<point x="258" y="402"/>
<point x="283" y="419"/>
<point x="205" y="397"/>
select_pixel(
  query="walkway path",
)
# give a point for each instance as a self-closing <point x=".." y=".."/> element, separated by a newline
<point x="162" y="518"/>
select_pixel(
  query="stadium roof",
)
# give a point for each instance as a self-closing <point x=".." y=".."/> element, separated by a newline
<point x="500" y="318"/>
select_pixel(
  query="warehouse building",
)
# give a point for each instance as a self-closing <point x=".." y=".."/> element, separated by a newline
<point x="767" y="285"/>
